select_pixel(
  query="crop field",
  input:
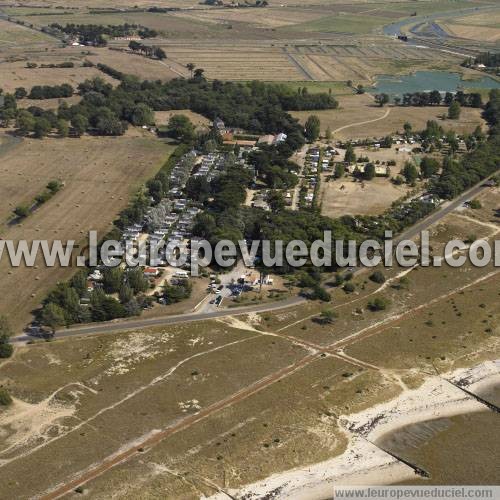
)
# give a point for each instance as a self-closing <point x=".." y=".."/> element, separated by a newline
<point x="207" y="400"/>
<point x="16" y="74"/>
<point x="483" y="27"/>
<point x="99" y="175"/>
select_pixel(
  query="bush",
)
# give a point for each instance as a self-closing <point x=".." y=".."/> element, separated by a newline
<point x="5" y="398"/>
<point x="349" y="288"/>
<point x="22" y="211"/>
<point x="319" y="293"/>
<point x="379" y="304"/>
<point x="475" y="204"/>
<point x="377" y="277"/>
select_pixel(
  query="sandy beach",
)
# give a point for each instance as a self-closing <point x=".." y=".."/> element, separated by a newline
<point x="363" y="463"/>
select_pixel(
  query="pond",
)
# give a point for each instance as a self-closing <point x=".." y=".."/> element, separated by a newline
<point x="425" y="81"/>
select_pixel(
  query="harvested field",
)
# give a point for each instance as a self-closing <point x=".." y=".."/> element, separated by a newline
<point x="369" y="198"/>
<point x="134" y="64"/>
<point x="14" y="35"/>
<point x="239" y="63"/>
<point x="16" y="74"/>
<point x="99" y="176"/>
<point x="482" y="33"/>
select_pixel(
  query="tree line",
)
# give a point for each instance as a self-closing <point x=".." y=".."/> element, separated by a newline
<point x="95" y="34"/>
<point x="147" y="50"/>
<point x="435" y="98"/>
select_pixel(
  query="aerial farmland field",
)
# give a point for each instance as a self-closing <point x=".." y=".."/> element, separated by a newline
<point x="99" y="176"/>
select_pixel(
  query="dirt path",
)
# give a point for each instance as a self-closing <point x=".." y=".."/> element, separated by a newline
<point x="385" y="115"/>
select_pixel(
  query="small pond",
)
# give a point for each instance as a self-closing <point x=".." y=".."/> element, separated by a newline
<point x="425" y="81"/>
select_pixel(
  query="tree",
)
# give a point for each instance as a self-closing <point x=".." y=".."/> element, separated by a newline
<point x="381" y="99"/>
<point x="190" y="67"/>
<point x="339" y="171"/>
<point x="25" y="122"/>
<point x="62" y="128"/>
<point x="141" y="114"/>
<point x="377" y="277"/>
<point x="428" y="167"/>
<point x="53" y="316"/>
<point x="407" y="128"/>
<point x="454" y="110"/>
<point x="369" y="172"/>
<point x="312" y="128"/>
<point x="180" y="128"/>
<point x="198" y="188"/>
<point x="435" y="98"/>
<point x="79" y="124"/>
<point x="136" y="280"/>
<point x="198" y="74"/>
<point x="20" y="93"/>
<point x="134" y="46"/>
<point x="276" y="201"/>
<point x="22" y="211"/>
<point x="360" y="89"/>
<point x="6" y="332"/>
<point x="42" y="127"/>
<point x="159" y="53"/>
<point x="349" y="287"/>
<point x="112" y="279"/>
<point x="410" y="173"/>
<point x="126" y="294"/>
<point x="350" y="156"/>
<point x="328" y="316"/>
<point x="5" y="397"/>
<point x="379" y="304"/>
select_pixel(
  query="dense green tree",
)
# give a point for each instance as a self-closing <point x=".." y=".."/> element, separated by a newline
<point x="454" y="110"/>
<point x="428" y="167"/>
<point x="312" y="128"/>
<point x="181" y="128"/>
<point x="20" y="93"/>
<point x="350" y="156"/>
<point x="369" y="172"/>
<point x="62" y="128"/>
<point x="381" y="99"/>
<point x="410" y="173"/>
<point x="339" y="171"/>
<point x="6" y="348"/>
<point x="53" y="316"/>
<point x="79" y="123"/>
<point x="276" y="201"/>
<point x="42" y="127"/>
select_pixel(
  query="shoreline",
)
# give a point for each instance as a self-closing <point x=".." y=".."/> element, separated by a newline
<point x="363" y="463"/>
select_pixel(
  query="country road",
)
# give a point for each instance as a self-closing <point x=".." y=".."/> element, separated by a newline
<point x="126" y="325"/>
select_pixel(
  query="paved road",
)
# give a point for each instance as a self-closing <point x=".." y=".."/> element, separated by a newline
<point x="444" y="210"/>
<point x="125" y="325"/>
<point x="121" y="325"/>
